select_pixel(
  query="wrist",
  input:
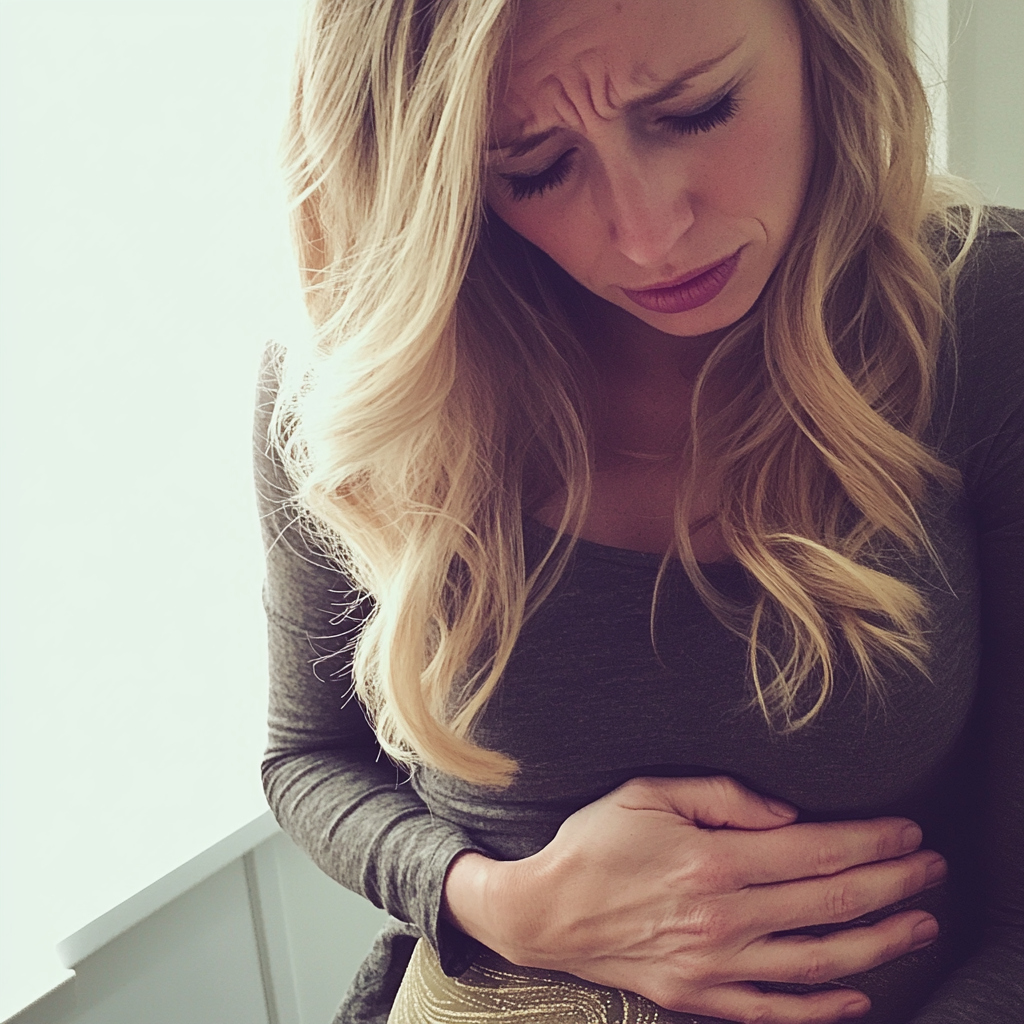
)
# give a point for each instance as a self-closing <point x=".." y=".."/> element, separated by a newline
<point x="478" y="899"/>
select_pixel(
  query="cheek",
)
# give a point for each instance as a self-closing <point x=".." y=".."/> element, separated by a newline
<point x="762" y="170"/>
<point x="567" y="231"/>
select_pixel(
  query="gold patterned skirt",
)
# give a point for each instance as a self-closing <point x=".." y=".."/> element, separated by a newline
<point x="493" y="991"/>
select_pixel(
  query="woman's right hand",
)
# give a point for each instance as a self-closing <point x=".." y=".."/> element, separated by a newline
<point x="676" y="888"/>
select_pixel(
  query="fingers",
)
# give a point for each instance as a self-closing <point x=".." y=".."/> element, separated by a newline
<point x="748" y="1005"/>
<point x="812" y="960"/>
<point x="712" y="802"/>
<point x="775" y="853"/>
<point x="838" y="898"/>
<point x="811" y="850"/>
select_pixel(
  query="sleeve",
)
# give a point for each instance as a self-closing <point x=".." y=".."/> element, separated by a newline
<point x="990" y="986"/>
<point x="325" y="777"/>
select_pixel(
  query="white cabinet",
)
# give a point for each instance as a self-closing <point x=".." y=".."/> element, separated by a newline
<point x="266" y="939"/>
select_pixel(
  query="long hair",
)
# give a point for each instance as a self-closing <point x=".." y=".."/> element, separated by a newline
<point x="444" y="392"/>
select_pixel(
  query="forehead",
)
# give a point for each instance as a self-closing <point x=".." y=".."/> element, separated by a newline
<point x="614" y="51"/>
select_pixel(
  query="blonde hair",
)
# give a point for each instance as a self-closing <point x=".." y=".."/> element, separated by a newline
<point x="445" y="390"/>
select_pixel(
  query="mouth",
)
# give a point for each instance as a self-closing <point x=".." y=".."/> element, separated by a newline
<point x="692" y="289"/>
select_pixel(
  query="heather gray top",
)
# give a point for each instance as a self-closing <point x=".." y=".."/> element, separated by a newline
<point x="587" y="703"/>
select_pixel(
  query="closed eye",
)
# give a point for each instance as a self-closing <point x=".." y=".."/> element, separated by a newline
<point x="706" y="120"/>
<point x="526" y="186"/>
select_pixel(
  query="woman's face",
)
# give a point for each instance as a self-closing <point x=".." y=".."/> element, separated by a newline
<point x="658" y="150"/>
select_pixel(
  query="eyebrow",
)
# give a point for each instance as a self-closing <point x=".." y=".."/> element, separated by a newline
<point x="521" y="146"/>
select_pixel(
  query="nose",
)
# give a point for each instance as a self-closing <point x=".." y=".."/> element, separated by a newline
<point x="649" y="208"/>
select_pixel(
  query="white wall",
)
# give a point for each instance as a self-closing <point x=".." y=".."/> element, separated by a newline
<point x="143" y="262"/>
<point x="986" y="96"/>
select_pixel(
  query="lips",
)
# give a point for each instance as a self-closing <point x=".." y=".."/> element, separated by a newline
<point x="693" y="289"/>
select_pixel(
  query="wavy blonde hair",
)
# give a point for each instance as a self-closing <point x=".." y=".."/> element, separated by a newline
<point x="445" y="389"/>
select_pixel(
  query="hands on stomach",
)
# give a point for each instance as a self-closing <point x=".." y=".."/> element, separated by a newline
<point x="676" y="888"/>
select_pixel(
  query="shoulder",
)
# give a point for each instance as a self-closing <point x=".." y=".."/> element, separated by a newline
<point x="988" y="313"/>
<point x="990" y="287"/>
<point x="981" y="375"/>
<point x="305" y="586"/>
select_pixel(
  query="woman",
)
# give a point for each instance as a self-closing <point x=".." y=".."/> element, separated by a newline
<point x="661" y="500"/>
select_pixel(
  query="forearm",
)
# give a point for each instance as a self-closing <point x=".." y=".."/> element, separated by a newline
<point x="364" y="831"/>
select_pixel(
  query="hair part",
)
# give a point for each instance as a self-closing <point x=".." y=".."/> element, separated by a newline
<point x="445" y="392"/>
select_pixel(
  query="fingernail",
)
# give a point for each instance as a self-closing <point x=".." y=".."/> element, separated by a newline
<point x="911" y="837"/>
<point x="855" y="1009"/>
<point x="777" y="807"/>
<point x="925" y="931"/>
<point x="935" y="870"/>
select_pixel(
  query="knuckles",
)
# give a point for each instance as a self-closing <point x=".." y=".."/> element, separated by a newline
<point x="815" y="968"/>
<point x="830" y="858"/>
<point x="842" y="902"/>
<point x="709" y="925"/>
<point x="711" y="870"/>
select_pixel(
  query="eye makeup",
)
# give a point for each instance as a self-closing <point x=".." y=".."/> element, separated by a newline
<point x="528" y="186"/>
<point x="717" y="114"/>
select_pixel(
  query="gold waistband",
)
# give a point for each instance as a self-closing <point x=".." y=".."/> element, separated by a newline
<point x="493" y="991"/>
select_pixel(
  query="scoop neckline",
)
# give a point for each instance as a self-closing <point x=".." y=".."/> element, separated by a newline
<point x="611" y="553"/>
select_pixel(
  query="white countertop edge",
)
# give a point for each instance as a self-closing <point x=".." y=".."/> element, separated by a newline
<point x="95" y="935"/>
<point x="60" y="998"/>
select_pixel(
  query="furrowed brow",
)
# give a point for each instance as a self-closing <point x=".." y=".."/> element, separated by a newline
<point x="523" y="145"/>
<point x="679" y="84"/>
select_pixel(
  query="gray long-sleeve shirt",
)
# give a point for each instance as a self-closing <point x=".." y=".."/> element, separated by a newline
<point x="587" y="703"/>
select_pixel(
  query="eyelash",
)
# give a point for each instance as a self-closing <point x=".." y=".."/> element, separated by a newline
<point x="522" y="186"/>
<point x="528" y="186"/>
<point x="723" y="111"/>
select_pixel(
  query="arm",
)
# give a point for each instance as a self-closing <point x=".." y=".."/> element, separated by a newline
<point x="325" y="778"/>
<point x="990" y="986"/>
